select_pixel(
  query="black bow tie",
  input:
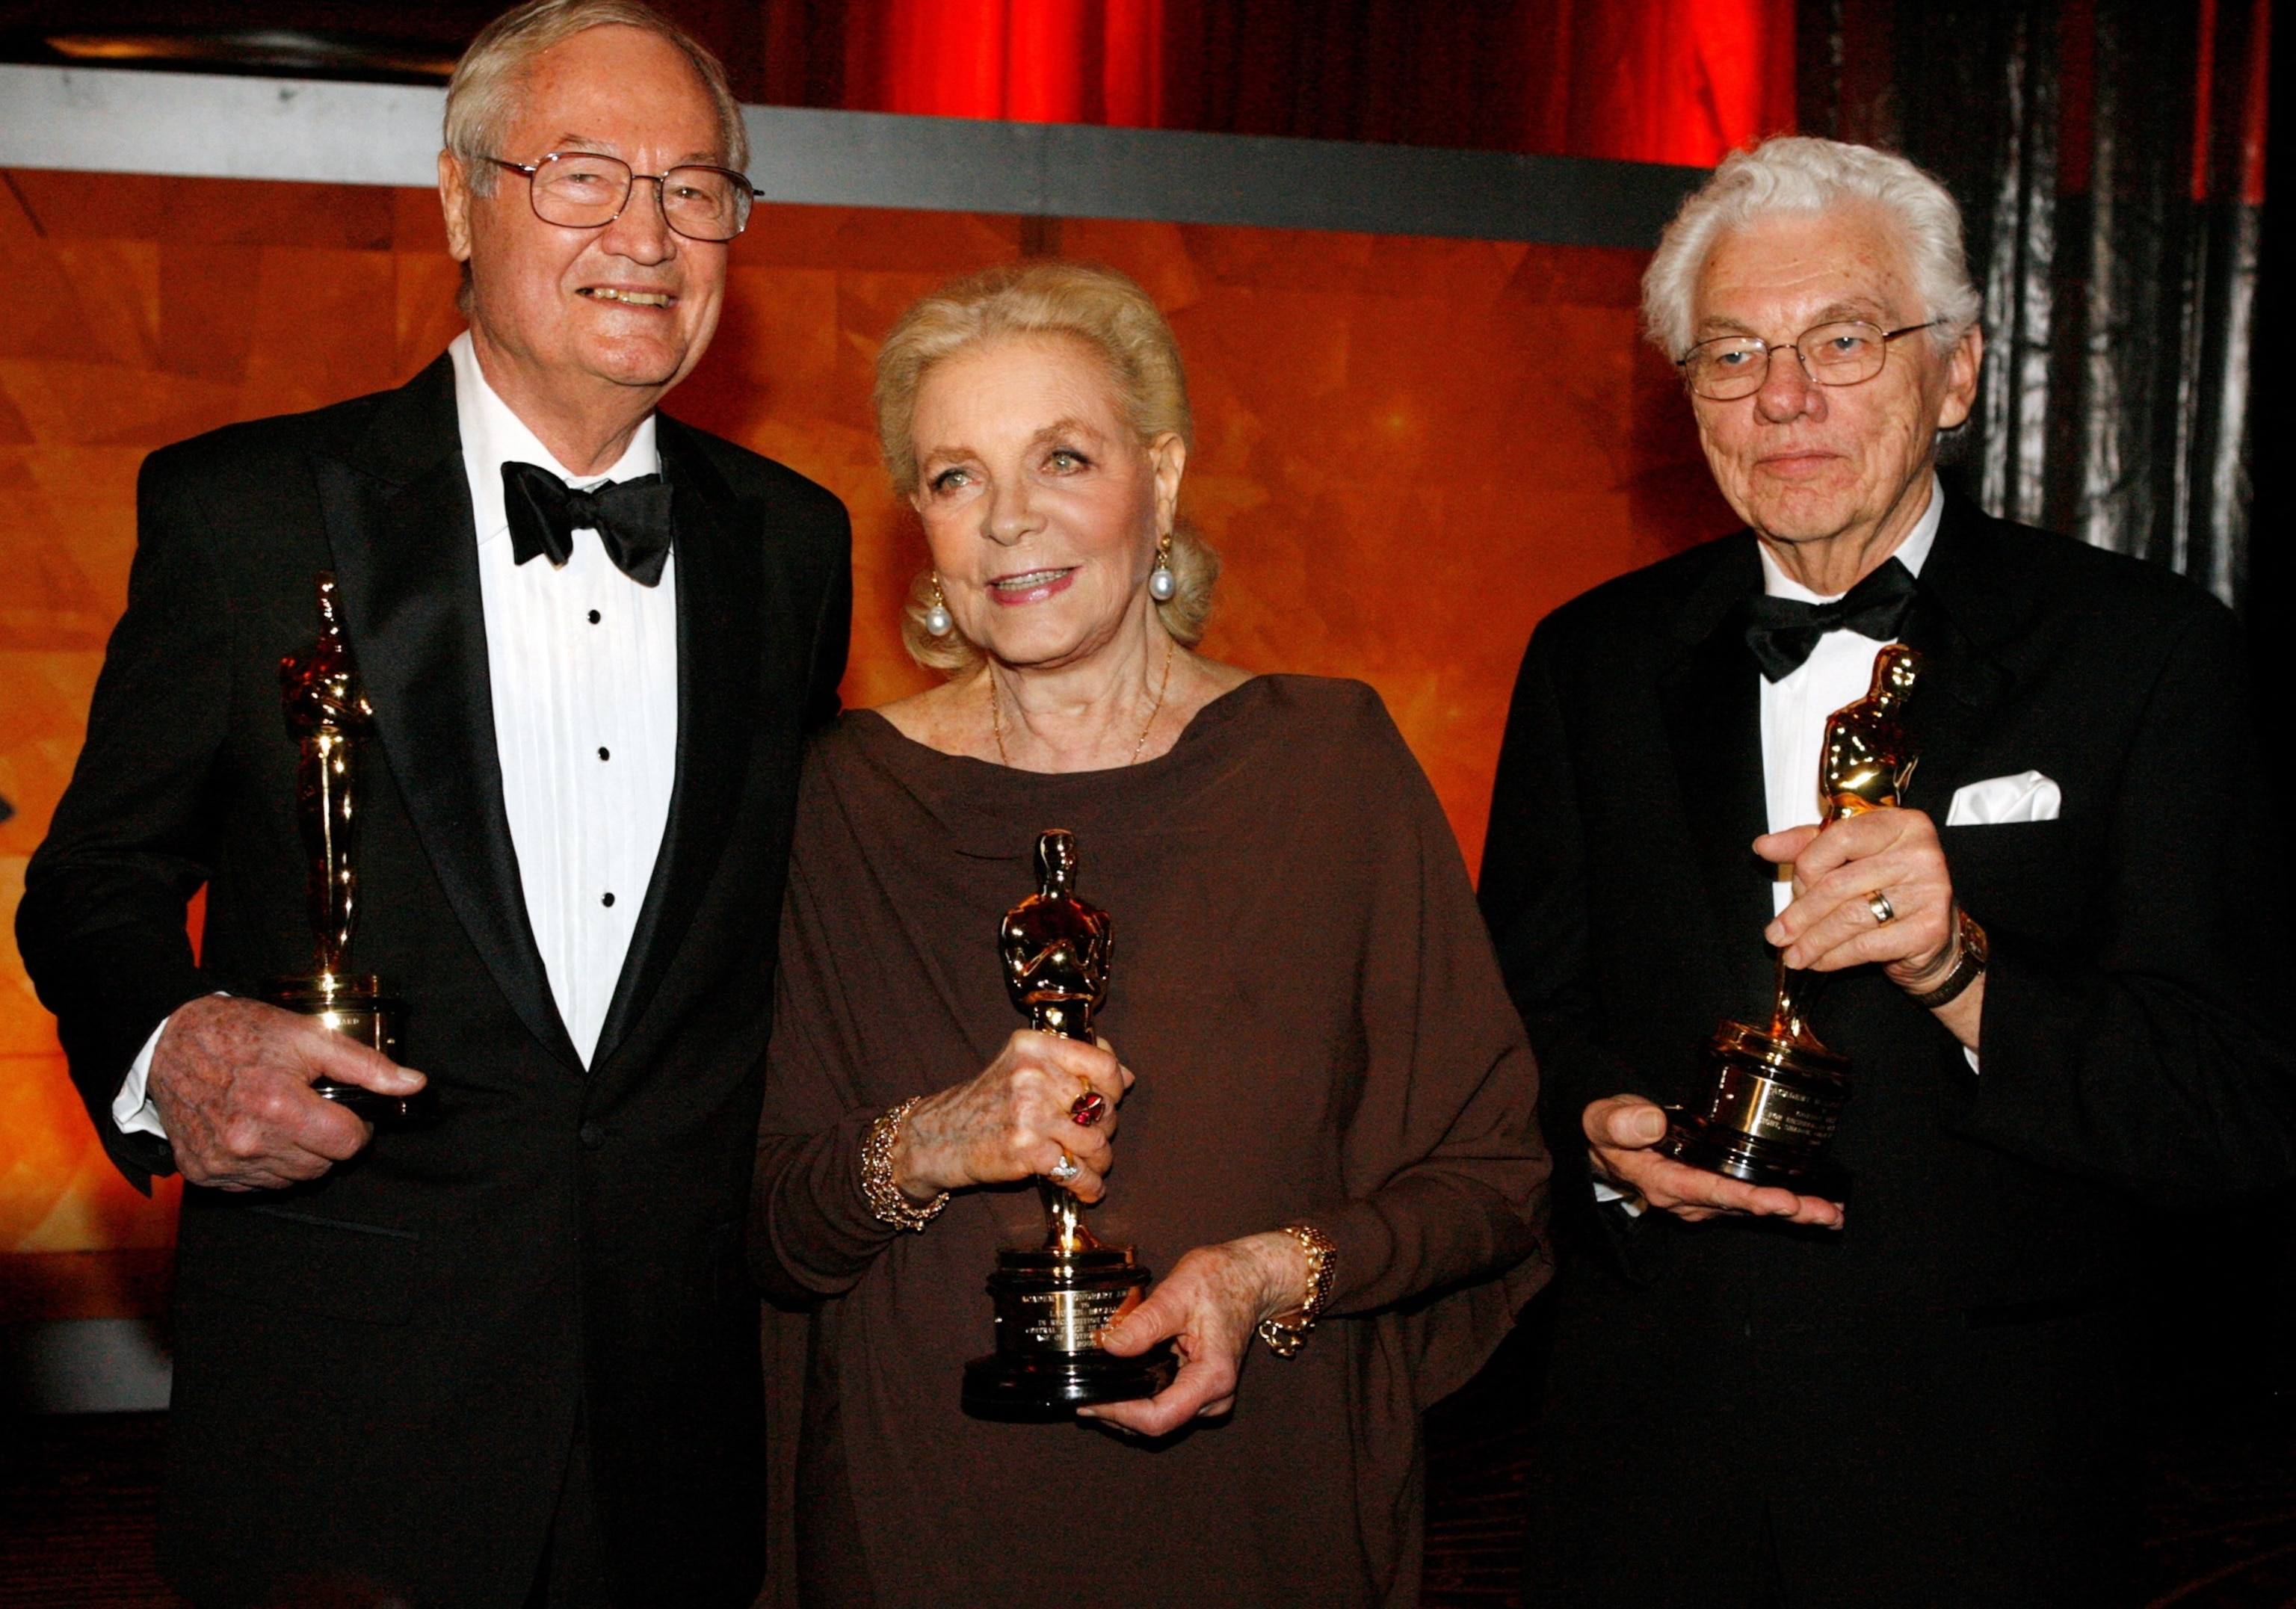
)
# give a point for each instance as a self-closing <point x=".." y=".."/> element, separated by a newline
<point x="1783" y="633"/>
<point x="631" y="518"/>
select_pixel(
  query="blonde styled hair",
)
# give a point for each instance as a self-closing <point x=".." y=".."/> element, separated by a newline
<point x="482" y="97"/>
<point x="1097" y="306"/>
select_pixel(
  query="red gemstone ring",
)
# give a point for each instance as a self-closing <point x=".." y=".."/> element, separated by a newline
<point x="1084" y="1111"/>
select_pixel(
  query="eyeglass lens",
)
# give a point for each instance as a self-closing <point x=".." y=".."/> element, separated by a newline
<point x="585" y="191"/>
<point x="1835" y="354"/>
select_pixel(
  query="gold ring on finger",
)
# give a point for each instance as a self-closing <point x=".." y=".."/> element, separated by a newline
<point x="1884" y="913"/>
<point x="1063" y="1171"/>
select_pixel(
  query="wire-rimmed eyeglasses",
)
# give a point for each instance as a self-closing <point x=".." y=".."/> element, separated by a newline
<point x="1842" y="352"/>
<point x="582" y="190"/>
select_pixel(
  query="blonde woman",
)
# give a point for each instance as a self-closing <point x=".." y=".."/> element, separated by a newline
<point x="1321" y="1082"/>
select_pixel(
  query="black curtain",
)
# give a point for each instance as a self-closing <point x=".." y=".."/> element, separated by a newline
<point x="2108" y="158"/>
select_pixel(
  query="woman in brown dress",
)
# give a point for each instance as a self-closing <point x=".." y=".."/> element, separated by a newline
<point x="1322" y="1082"/>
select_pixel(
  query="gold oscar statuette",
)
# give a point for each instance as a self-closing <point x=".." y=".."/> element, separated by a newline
<point x="330" y="719"/>
<point x="1768" y="1099"/>
<point x="1052" y="1301"/>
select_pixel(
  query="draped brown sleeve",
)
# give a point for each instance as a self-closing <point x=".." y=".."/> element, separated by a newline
<point x="1444" y="1166"/>
<point x="813" y="1234"/>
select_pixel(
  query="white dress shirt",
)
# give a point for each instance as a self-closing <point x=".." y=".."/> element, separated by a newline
<point x="583" y="665"/>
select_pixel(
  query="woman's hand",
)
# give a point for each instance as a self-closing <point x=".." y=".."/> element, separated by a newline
<point x="1012" y="1121"/>
<point x="1209" y="1305"/>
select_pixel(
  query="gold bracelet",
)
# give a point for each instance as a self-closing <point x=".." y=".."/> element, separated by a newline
<point x="1285" y="1336"/>
<point x="887" y="1203"/>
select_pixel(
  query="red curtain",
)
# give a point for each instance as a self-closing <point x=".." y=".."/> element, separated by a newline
<point x="1028" y="61"/>
<point x="1662" y="80"/>
<point x="1681" y="81"/>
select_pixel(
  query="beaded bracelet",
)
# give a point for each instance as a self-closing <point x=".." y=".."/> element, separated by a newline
<point x="1285" y="1336"/>
<point x="887" y="1203"/>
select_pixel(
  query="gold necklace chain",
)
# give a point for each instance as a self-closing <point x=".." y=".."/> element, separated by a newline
<point x="997" y="712"/>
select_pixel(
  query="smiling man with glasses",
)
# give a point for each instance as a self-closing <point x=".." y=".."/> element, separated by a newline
<point x="508" y="1357"/>
<point x="2059" y="992"/>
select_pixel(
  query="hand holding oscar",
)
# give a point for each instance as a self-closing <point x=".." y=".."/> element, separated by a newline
<point x="1769" y="1099"/>
<point x="330" y="719"/>
<point x="1052" y="1300"/>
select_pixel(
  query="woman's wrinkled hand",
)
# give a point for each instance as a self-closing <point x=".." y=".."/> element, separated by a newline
<point x="1208" y="1307"/>
<point x="1013" y="1121"/>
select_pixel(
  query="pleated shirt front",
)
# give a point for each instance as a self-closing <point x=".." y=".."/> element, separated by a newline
<point x="583" y="664"/>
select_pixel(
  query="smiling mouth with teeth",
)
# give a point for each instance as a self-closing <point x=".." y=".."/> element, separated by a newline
<point x="1022" y="583"/>
<point x="636" y="299"/>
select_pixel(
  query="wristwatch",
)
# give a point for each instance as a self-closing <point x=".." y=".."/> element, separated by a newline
<point x="1968" y="967"/>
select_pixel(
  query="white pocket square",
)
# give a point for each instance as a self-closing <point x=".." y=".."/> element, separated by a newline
<point x="1998" y="801"/>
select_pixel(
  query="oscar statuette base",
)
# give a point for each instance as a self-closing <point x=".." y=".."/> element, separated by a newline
<point x="1050" y="1306"/>
<point x="1766" y="1114"/>
<point x="358" y="1008"/>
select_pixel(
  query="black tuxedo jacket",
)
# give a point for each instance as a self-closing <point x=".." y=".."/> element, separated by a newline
<point x="2136" y="1042"/>
<point x="379" y="1376"/>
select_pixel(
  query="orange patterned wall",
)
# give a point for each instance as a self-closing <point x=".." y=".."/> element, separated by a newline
<point x="1408" y="451"/>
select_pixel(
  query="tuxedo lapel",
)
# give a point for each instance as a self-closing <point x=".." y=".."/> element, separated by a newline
<point x="1712" y="700"/>
<point x="1961" y="613"/>
<point x="398" y="511"/>
<point x="721" y="588"/>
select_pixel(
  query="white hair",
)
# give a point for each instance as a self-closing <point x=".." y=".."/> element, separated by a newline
<point x="483" y="96"/>
<point x="1801" y="174"/>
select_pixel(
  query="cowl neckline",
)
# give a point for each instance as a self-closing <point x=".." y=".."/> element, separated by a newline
<point x="995" y="812"/>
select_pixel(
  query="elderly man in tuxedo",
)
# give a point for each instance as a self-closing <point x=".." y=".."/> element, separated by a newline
<point x="2054" y="967"/>
<point x="508" y="1357"/>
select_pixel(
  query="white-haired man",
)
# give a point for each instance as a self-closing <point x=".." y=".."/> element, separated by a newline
<point x="508" y="1357"/>
<point x="2059" y="991"/>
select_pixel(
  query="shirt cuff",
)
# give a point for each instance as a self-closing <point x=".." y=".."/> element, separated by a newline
<point x="132" y="1108"/>
<point x="1632" y="1206"/>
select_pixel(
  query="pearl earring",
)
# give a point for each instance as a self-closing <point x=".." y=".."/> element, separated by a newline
<point x="937" y="618"/>
<point x="1162" y="584"/>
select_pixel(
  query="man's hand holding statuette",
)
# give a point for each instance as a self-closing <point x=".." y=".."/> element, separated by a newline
<point x="1621" y="1134"/>
<point x="1833" y="924"/>
<point x="231" y="1079"/>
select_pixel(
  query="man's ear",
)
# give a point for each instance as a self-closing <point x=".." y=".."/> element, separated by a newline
<point x="1961" y="378"/>
<point x="455" y="203"/>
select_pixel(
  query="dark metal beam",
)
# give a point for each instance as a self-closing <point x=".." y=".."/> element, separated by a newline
<point x="110" y="121"/>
